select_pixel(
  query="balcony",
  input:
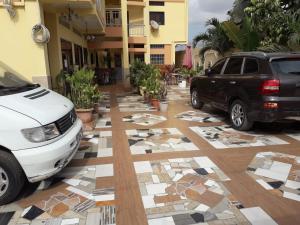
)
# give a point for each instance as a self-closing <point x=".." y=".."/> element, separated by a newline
<point x="136" y="30"/>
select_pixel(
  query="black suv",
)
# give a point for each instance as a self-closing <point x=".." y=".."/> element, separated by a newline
<point x="251" y="86"/>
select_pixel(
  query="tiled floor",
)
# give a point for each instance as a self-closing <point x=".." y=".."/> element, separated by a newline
<point x="144" y="167"/>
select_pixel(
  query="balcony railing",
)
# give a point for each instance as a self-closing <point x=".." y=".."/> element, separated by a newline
<point x="113" y="18"/>
<point x="136" y="30"/>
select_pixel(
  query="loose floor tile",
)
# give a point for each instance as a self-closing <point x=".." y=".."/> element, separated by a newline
<point x="198" y="116"/>
<point x="278" y="173"/>
<point x="258" y="216"/>
<point x="144" y="119"/>
<point x="103" y="122"/>
<point x="180" y="192"/>
<point x="96" y="144"/>
<point x="221" y="137"/>
<point x="147" y="141"/>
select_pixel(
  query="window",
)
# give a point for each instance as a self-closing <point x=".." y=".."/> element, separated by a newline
<point x="158" y="17"/>
<point x="155" y="3"/>
<point x="234" y="66"/>
<point x="157" y="46"/>
<point x="217" y="68"/>
<point x="157" y="59"/>
<point x="251" y="66"/>
<point x="287" y="66"/>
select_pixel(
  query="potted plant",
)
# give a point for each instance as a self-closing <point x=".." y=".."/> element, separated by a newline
<point x="82" y="92"/>
<point x="138" y="74"/>
<point x="163" y="104"/>
<point x="152" y="84"/>
<point x="96" y="97"/>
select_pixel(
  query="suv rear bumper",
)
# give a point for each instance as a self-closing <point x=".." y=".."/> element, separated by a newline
<point x="272" y="115"/>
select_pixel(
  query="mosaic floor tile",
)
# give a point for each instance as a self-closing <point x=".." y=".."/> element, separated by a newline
<point x="221" y="137"/>
<point x="175" y="192"/>
<point x="97" y="144"/>
<point x="198" y="116"/>
<point x="278" y="173"/>
<point x="76" y="196"/>
<point x="257" y="216"/>
<point x="133" y="103"/>
<point x="294" y="134"/>
<point x="104" y="122"/>
<point x="147" y="141"/>
<point x="144" y="119"/>
<point x="104" y="104"/>
<point x="177" y="96"/>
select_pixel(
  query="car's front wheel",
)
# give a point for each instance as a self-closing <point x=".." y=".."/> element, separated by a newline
<point x="196" y="103"/>
<point x="12" y="178"/>
<point x="239" y="116"/>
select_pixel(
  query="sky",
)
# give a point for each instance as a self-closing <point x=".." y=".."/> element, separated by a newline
<point x="202" y="10"/>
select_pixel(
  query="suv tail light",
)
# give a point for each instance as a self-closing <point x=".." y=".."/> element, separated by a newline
<point x="270" y="87"/>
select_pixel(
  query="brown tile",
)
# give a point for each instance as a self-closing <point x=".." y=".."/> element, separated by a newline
<point x="58" y="209"/>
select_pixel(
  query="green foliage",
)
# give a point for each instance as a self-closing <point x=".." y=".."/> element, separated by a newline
<point x="215" y="38"/>
<point x="152" y="83"/>
<point x="61" y="82"/>
<point x="83" y="93"/>
<point x="186" y="73"/>
<point x="243" y="36"/>
<point x="138" y="73"/>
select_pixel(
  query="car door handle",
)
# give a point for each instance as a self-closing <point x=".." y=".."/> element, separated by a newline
<point x="232" y="82"/>
<point x="213" y="81"/>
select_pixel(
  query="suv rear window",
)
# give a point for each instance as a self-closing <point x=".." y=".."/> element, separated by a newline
<point x="286" y="66"/>
<point x="251" y="66"/>
<point x="234" y="66"/>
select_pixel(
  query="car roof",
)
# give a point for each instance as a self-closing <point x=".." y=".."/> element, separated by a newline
<point x="268" y="56"/>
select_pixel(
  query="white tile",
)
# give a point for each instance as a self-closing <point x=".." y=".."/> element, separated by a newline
<point x="143" y="167"/>
<point x="264" y="184"/>
<point x="202" y="208"/>
<point x="131" y="132"/>
<point x="177" y="177"/>
<point x="73" y="182"/>
<point x="292" y="184"/>
<point x="148" y="201"/>
<point x="155" y="179"/>
<point x="105" y="134"/>
<point x="105" y="152"/>
<point x="271" y="174"/>
<point x="79" y="192"/>
<point x="102" y="198"/>
<point x="161" y="221"/>
<point x="70" y="221"/>
<point x="291" y="196"/>
<point x="174" y="131"/>
<point x="257" y="216"/>
<point x="283" y="168"/>
<point x="105" y="170"/>
<point x="93" y="218"/>
<point x="176" y="160"/>
<point x="204" y="162"/>
<point x="167" y="167"/>
<point x="154" y="189"/>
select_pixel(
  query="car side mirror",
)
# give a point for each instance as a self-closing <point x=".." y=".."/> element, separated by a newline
<point x="208" y="72"/>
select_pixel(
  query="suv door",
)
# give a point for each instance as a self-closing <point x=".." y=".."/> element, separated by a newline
<point x="227" y="82"/>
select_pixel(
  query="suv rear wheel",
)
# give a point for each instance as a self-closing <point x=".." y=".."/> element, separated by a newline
<point x="196" y="103"/>
<point x="238" y="116"/>
<point x="11" y="178"/>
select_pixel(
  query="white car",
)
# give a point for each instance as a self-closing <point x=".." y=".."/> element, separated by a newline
<point x="39" y="133"/>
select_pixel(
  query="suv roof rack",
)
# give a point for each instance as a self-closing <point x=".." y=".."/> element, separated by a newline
<point x="254" y="53"/>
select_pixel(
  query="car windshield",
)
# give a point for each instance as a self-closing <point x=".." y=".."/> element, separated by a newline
<point x="11" y="82"/>
<point x="287" y="66"/>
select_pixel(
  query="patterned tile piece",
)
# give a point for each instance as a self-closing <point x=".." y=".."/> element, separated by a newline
<point x="187" y="191"/>
<point x="133" y="103"/>
<point x="104" y="106"/>
<point x="144" y="119"/>
<point x="258" y="216"/>
<point x="147" y="141"/>
<point x="97" y="144"/>
<point x="278" y="173"/>
<point x="198" y="116"/>
<point x="221" y="137"/>
<point x="103" y="122"/>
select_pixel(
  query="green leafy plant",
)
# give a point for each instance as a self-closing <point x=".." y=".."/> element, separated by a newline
<point x="187" y="73"/>
<point x="83" y="92"/>
<point x="152" y="82"/>
<point x="138" y="73"/>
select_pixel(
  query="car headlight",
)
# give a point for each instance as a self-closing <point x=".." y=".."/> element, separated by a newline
<point x="41" y="134"/>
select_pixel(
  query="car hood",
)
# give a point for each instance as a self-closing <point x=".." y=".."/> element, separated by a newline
<point x="42" y="105"/>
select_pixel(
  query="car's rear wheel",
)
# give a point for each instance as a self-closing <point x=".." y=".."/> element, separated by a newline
<point x="12" y="178"/>
<point x="239" y="116"/>
<point x="195" y="100"/>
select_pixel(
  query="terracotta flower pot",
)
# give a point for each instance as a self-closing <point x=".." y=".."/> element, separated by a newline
<point x="85" y="115"/>
<point x="155" y="103"/>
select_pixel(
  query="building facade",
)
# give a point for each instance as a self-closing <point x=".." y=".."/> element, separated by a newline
<point x="97" y="33"/>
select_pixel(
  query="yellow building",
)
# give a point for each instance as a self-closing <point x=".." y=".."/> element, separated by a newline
<point x="101" y="34"/>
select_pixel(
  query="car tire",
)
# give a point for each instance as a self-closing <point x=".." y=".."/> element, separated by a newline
<point x="239" y="116"/>
<point x="12" y="178"/>
<point x="196" y="103"/>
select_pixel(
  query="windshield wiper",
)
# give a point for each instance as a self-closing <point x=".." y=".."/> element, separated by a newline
<point x="297" y="73"/>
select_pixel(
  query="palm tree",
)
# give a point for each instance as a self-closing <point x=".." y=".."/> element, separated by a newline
<point x="214" y="38"/>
